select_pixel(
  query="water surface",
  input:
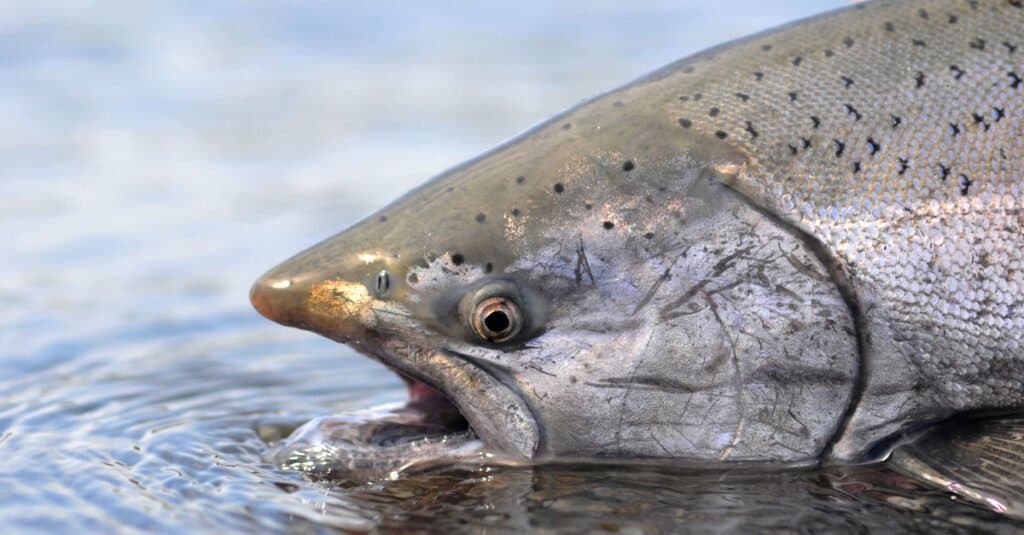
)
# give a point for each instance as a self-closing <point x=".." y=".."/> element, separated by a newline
<point x="156" y="157"/>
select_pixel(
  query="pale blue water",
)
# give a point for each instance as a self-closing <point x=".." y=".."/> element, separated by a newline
<point x="155" y="157"/>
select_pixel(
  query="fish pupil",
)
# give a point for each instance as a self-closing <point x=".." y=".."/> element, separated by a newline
<point x="497" y="321"/>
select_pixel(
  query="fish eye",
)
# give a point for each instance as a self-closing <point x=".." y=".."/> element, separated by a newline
<point x="383" y="283"/>
<point x="497" y="319"/>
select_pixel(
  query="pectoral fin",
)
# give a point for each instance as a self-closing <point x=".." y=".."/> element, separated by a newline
<point x="980" y="459"/>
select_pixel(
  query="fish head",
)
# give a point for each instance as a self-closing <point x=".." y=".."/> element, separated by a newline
<point x="595" y="288"/>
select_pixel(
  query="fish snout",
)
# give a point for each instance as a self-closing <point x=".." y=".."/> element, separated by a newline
<point x="277" y="299"/>
<point x="333" y="307"/>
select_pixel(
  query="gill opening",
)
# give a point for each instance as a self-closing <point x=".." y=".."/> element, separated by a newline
<point x="849" y="295"/>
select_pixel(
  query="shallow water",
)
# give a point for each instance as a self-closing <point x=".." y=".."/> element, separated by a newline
<point x="156" y="157"/>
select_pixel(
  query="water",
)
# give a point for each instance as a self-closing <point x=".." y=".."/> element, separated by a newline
<point x="155" y="157"/>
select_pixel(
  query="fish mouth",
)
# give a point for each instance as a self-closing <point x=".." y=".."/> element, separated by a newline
<point x="457" y="395"/>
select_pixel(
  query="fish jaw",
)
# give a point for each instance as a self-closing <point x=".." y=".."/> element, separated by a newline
<point x="346" y="312"/>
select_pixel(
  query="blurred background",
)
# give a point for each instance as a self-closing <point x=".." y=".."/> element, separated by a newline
<point x="153" y="153"/>
<point x="157" y="156"/>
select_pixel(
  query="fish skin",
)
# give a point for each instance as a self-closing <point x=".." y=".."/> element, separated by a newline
<point x="785" y="248"/>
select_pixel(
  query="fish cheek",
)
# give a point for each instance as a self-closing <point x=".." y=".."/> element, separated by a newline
<point x="727" y="339"/>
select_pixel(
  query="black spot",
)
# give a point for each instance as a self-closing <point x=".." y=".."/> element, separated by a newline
<point x="945" y="171"/>
<point x="684" y="98"/>
<point x="742" y="97"/>
<point x="566" y="126"/>
<point x="889" y="27"/>
<point x="873" y="146"/>
<point x="608" y="225"/>
<point x="815" y="122"/>
<point x="965" y="184"/>
<point x="848" y="41"/>
<point x="758" y="75"/>
<point x="685" y="123"/>
<point x="766" y="47"/>
<point x="383" y="218"/>
<point x="1015" y="80"/>
<point x="515" y="212"/>
<point x="850" y="110"/>
<point x="628" y="166"/>
<point x="797" y="61"/>
<point x="998" y="114"/>
<point x="919" y="80"/>
<point x="588" y="205"/>
<point x="953" y="19"/>
<point x="559" y="188"/>
<point x="896" y="120"/>
<point x="840" y="147"/>
<point x="488" y="267"/>
<point x="805" y="142"/>
<point x="751" y="131"/>
<point x="413" y="278"/>
<point x="688" y="69"/>
<point x="713" y="112"/>
<point x="793" y="150"/>
<point x="973" y="4"/>
<point x="829" y="53"/>
<point x="958" y="73"/>
<point x="1017" y="3"/>
<point x="919" y="42"/>
<point x="520" y="179"/>
<point x="856" y="167"/>
<point x="458" y="259"/>
<point x="979" y="119"/>
<point x="618" y="104"/>
<point x="954" y="129"/>
<point x="649" y="236"/>
<point x="449" y="189"/>
<point x="978" y="44"/>
<point x="792" y="96"/>
<point x="923" y="14"/>
<point x="721" y="135"/>
<point x="904" y="165"/>
<point x="697" y="97"/>
<point x="1010" y="48"/>
<point x="847" y="82"/>
<point x="481" y="217"/>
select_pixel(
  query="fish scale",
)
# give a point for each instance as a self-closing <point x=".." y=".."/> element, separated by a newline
<point x="837" y="105"/>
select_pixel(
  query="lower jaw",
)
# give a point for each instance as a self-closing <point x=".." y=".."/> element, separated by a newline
<point x="383" y="442"/>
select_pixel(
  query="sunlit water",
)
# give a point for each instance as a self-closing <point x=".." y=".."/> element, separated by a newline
<point x="156" y="157"/>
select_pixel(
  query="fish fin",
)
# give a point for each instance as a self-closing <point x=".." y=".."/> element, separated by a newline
<point x="980" y="459"/>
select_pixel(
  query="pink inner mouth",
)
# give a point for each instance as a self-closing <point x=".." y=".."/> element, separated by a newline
<point x="431" y="406"/>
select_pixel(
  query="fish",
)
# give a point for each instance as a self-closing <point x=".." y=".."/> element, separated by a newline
<point x="805" y="246"/>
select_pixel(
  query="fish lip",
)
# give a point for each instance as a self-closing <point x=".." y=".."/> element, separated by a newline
<point x="502" y="419"/>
